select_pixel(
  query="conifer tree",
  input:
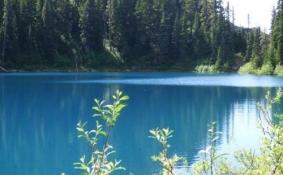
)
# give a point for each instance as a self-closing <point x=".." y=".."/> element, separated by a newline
<point x="136" y="33"/>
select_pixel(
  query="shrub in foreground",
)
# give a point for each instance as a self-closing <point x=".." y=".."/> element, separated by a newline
<point x="167" y="163"/>
<point x="99" y="162"/>
<point x="268" y="161"/>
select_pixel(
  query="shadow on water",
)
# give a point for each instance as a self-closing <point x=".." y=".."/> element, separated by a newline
<point x="38" y="115"/>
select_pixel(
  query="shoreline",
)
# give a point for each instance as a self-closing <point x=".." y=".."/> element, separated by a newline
<point x="117" y="70"/>
<point x="104" y="70"/>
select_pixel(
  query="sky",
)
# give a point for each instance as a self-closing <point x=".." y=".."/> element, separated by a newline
<point x="260" y="12"/>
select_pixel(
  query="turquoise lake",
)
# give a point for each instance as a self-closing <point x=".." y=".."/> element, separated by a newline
<point x="39" y="112"/>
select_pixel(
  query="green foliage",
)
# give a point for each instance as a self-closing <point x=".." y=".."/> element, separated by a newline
<point x="266" y="69"/>
<point x="270" y="158"/>
<point x="110" y="112"/>
<point x="206" y="69"/>
<point x="167" y="164"/>
<point x="248" y="68"/>
<point x="143" y="34"/>
<point x="211" y="161"/>
<point x="92" y="15"/>
<point x="249" y="162"/>
<point x="276" y="44"/>
<point x="278" y="70"/>
<point x="100" y="163"/>
<point x="268" y="161"/>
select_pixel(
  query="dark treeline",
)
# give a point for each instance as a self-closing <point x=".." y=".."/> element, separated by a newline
<point x="132" y="34"/>
<point x="264" y="53"/>
<point x="275" y="50"/>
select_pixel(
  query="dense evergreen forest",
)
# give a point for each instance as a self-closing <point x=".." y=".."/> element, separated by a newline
<point x="134" y="35"/>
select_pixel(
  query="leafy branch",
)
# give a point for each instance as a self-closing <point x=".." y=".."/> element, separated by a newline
<point x="99" y="162"/>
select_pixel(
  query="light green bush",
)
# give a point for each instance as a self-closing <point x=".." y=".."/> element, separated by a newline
<point x="248" y="68"/>
<point x="266" y="69"/>
<point x="206" y="69"/>
<point x="278" y="70"/>
<point x="270" y="158"/>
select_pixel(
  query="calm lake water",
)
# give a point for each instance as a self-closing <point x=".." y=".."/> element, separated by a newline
<point x="39" y="112"/>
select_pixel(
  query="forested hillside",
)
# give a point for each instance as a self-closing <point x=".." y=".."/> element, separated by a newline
<point x="274" y="54"/>
<point x="265" y="53"/>
<point x="130" y="34"/>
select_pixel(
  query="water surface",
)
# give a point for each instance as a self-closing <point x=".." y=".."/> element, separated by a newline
<point x="39" y="112"/>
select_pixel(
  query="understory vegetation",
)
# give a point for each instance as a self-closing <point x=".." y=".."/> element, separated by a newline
<point x="206" y="69"/>
<point x="269" y="160"/>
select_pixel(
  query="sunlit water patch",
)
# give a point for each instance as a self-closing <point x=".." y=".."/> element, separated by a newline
<point x="189" y="80"/>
